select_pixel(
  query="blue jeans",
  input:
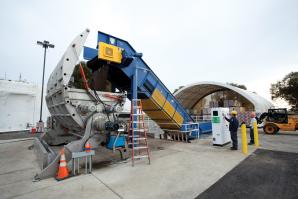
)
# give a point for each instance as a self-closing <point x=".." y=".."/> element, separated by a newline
<point x="251" y="133"/>
<point x="234" y="139"/>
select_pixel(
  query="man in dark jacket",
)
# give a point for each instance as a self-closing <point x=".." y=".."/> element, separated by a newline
<point x="233" y="128"/>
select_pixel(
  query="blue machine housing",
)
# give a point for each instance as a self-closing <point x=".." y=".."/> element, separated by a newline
<point x="120" y="142"/>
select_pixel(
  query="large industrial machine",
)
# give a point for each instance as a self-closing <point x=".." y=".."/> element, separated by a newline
<point x="91" y="113"/>
<point x="278" y="119"/>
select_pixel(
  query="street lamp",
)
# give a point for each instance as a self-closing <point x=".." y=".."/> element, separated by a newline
<point x="45" y="44"/>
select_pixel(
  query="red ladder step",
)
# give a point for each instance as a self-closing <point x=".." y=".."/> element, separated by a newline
<point x="137" y="137"/>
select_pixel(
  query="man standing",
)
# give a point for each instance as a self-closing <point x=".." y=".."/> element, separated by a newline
<point x="252" y="120"/>
<point x="233" y="128"/>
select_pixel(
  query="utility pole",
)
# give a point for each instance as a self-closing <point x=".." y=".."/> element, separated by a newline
<point x="45" y="44"/>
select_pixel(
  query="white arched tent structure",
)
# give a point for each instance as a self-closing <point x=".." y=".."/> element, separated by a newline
<point x="191" y="94"/>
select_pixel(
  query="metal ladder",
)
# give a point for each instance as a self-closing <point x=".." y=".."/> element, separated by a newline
<point x="137" y="133"/>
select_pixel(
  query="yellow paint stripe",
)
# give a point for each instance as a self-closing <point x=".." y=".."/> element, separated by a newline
<point x="169" y="108"/>
<point x="149" y="104"/>
<point x="158" y="97"/>
<point x="178" y="118"/>
<point x="159" y="115"/>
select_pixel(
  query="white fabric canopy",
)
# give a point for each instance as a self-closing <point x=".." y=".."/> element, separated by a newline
<point x="191" y="94"/>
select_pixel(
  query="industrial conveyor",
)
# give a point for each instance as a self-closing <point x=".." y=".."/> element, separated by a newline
<point x="125" y="69"/>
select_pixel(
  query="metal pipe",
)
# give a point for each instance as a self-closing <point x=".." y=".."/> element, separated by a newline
<point x="78" y="165"/>
<point x="41" y="98"/>
<point x="256" y="134"/>
<point x="45" y="45"/>
<point x="86" y="165"/>
<point x="244" y="139"/>
<point x="90" y="163"/>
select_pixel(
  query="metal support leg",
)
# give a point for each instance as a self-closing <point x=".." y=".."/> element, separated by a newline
<point x="78" y="165"/>
<point x="134" y="106"/>
<point x="90" y="164"/>
<point x="86" y="164"/>
<point x="87" y="157"/>
<point x="73" y="166"/>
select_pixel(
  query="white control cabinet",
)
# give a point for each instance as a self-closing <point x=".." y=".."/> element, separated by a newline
<point x="220" y="127"/>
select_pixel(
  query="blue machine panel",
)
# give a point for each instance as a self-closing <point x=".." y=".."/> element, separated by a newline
<point x="120" y="142"/>
<point x="205" y="127"/>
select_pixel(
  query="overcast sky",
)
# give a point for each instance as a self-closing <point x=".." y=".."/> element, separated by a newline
<point x="251" y="42"/>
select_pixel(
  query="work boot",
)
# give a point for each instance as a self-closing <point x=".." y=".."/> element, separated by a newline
<point x="233" y="148"/>
<point x="251" y="143"/>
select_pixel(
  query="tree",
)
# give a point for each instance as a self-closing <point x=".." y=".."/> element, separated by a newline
<point x="77" y="78"/>
<point x="286" y="89"/>
<point x="177" y="89"/>
<point x="238" y="85"/>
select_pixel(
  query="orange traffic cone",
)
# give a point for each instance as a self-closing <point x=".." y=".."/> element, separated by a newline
<point x="33" y="130"/>
<point x="87" y="147"/>
<point x="62" y="171"/>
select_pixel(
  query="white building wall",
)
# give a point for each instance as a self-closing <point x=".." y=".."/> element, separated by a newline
<point x="19" y="105"/>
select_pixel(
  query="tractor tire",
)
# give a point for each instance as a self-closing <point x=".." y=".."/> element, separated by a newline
<point x="270" y="129"/>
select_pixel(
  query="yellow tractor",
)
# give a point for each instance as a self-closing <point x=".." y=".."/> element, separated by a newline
<point x="278" y="119"/>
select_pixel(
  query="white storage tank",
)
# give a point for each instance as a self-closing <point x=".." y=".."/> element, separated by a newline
<point x="19" y="105"/>
<point x="220" y="127"/>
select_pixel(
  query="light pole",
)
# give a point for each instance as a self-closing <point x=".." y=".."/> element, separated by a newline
<point x="45" y="44"/>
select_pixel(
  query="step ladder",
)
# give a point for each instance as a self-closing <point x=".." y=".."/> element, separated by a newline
<point x="137" y="136"/>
